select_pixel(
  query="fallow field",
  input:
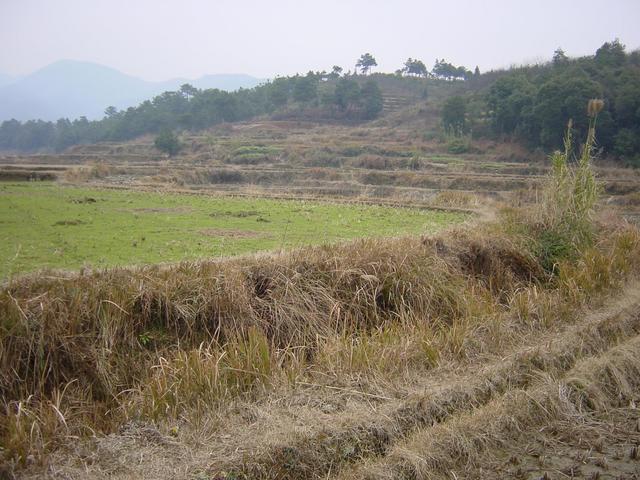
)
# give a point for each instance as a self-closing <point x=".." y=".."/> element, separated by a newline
<point x="45" y="225"/>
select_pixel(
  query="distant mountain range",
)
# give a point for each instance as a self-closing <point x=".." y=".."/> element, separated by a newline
<point x="71" y="89"/>
<point x="6" y="79"/>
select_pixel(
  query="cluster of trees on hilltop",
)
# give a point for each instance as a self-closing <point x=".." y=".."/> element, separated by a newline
<point x="441" y="69"/>
<point x="534" y="104"/>
<point x="448" y="71"/>
<point x="316" y="95"/>
<point x="416" y="68"/>
<point x="326" y="96"/>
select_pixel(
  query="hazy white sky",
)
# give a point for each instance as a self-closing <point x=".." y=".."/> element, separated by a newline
<point x="160" y="39"/>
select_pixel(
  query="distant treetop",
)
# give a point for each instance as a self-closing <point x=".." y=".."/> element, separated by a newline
<point x="559" y="57"/>
<point x="447" y="71"/>
<point x="366" y="62"/>
<point x="414" y="67"/>
<point x="168" y="142"/>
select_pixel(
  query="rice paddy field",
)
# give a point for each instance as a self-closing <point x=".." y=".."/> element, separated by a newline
<point x="45" y="225"/>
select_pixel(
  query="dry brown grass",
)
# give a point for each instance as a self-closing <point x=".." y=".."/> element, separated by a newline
<point x="461" y="446"/>
<point x="203" y="333"/>
<point x="452" y="198"/>
<point x="92" y="170"/>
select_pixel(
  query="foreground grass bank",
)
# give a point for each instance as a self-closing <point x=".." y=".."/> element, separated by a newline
<point x="45" y="225"/>
<point x="176" y="345"/>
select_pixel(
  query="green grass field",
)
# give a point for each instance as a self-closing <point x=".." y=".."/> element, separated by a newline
<point x="49" y="226"/>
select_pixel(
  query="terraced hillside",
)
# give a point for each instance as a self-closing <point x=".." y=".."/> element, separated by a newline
<point x="300" y="159"/>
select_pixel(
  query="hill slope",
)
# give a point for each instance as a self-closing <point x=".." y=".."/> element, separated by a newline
<point x="6" y="79"/>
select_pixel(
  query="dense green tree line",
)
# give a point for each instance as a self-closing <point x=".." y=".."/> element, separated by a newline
<point x="535" y="104"/>
<point x="325" y="95"/>
<point x="188" y="108"/>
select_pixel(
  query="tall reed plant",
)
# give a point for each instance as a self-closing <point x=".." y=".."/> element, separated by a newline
<point x="565" y="213"/>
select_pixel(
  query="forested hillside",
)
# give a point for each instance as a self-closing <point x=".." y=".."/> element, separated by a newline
<point x="530" y="104"/>
<point x="192" y="109"/>
<point x="535" y="103"/>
